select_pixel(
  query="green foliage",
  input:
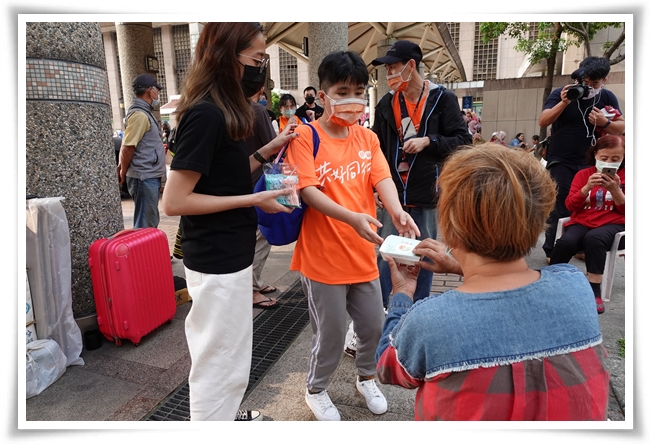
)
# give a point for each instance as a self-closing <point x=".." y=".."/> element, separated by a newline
<point x="621" y="343"/>
<point x="587" y="30"/>
<point x="276" y="103"/>
<point x="539" y="48"/>
<point x="545" y="43"/>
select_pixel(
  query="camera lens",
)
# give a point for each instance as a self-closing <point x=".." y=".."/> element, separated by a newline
<point x="575" y="92"/>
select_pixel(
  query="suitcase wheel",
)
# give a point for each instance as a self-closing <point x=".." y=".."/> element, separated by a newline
<point x="118" y="342"/>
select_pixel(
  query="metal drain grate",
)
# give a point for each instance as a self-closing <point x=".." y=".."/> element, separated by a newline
<point x="273" y="333"/>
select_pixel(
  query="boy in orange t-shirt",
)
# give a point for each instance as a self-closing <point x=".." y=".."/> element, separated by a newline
<point x="335" y="252"/>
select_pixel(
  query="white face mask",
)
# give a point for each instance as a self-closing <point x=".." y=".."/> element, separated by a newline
<point x="600" y="165"/>
<point x="593" y="92"/>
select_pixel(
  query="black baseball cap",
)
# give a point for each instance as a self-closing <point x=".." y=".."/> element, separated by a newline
<point x="145" y="81"/>
<point x="400" y="51"/>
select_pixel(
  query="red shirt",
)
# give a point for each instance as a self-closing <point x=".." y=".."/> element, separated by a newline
<point x="598" y="208"/>
<point x="568" y="387"/>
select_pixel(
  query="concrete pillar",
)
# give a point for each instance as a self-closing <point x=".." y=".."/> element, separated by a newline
<point x="382" y="49"/>
<point x="195" y="33"/>
<point x="324" y="38"/>
<point x="372" y="104"/>
<point x="113" y="81"/>
<point x="170" y="61"/>
<point x="171" y="84"/>
<point x="69" y="146"/>
<point x="135" y="40"/>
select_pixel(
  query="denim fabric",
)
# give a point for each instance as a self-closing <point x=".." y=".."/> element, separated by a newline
<point x="426" y="220"/>
<point x="458" y="331"/>
<point x="145" y="197"/>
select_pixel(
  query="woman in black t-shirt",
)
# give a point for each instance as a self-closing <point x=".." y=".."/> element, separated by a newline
<point x="209" y="186"/>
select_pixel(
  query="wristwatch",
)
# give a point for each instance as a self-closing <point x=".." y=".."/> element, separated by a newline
<point x="259" y="157"/>
<point x="607" y="124"/>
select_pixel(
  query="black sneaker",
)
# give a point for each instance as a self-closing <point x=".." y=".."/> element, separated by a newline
<point x="248" y="415"/>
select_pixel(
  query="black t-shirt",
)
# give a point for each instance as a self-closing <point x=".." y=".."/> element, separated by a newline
<point x="223" y="242"/>
<point x="302" y="112"/>
<point x="571" y="133"/>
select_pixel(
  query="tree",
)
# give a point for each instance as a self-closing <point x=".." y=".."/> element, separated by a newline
<point x="542" y="46"/>
<point x="543" y="40"/>
<point x="275" y="103"/>
<point x="585" y="32"/>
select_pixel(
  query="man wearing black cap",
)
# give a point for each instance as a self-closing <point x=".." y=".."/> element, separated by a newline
<point x="142" y="156"/>
<point x="418" y="124"/>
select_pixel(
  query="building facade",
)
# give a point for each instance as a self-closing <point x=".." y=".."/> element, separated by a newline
<point x="289" y="68"/>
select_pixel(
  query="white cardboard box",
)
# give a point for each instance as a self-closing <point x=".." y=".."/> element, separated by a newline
<point x="400" y="249"/>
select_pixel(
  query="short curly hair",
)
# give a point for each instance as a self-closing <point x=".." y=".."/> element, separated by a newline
<point x="494" y="201"/>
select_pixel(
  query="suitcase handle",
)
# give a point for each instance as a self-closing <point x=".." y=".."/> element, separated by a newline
<point x="122" y="233"/>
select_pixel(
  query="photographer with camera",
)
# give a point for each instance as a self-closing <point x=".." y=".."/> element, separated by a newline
<point x="574" y="113"/>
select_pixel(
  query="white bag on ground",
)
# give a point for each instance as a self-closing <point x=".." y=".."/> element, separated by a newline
<point x="45" y="364"/>
<point x="49" y="268"/>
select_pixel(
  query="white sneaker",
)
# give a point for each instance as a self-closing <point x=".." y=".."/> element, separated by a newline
<point x="375" y="400"/>
<point x="350" y="348"/>
<point x="322" y="407"/>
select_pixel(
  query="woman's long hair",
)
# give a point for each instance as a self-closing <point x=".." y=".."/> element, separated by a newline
<point x="215" y="74"/>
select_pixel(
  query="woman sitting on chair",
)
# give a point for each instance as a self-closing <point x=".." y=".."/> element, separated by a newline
<point x="511" y="342"/>
<point x="597" y="202"/>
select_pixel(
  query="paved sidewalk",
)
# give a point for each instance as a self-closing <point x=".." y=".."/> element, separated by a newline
<point x="125" y="383"/>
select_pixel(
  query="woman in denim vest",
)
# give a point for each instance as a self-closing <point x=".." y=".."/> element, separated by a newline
<point x="510" y="343"/>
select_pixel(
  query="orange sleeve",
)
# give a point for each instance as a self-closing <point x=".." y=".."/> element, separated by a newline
<point x="300" y="153"/>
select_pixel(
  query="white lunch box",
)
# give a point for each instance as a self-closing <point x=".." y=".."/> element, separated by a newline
<point x="400" y="249"/>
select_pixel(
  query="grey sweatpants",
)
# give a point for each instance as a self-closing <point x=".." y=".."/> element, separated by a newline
<point x="327" y="307"/>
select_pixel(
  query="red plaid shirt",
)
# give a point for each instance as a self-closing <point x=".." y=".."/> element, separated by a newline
<point x="568" y="387"/>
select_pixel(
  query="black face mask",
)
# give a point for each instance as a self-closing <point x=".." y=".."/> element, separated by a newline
<point x="253" y="80"/>
<point x="310" y="99"/>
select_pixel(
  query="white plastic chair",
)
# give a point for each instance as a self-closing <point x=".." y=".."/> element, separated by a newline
<point x="610" y="259"/>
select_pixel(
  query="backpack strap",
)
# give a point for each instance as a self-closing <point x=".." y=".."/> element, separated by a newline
<point x="315" y="141"/>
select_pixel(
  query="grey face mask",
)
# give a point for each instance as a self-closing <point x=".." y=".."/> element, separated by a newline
<point x="155" y="102"/>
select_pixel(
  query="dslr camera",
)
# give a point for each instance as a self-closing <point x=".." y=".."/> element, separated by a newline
<point x="580" y="89"/>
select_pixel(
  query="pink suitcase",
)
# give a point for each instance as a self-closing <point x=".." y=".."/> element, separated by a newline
<point x="133" y="283"/>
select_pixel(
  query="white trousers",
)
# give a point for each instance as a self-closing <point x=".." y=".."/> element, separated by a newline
<point x="219" y="331"/>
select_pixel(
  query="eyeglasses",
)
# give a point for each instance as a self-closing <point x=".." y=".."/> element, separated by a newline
<point x="260" y="63"/>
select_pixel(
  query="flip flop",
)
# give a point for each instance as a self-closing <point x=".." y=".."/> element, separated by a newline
<point x="268" y="289"/>
<point x="266" y="307"/>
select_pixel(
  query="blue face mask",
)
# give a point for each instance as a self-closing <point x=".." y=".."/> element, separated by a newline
<point x="288" y="113"/>
<point x="262" y="102"/>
